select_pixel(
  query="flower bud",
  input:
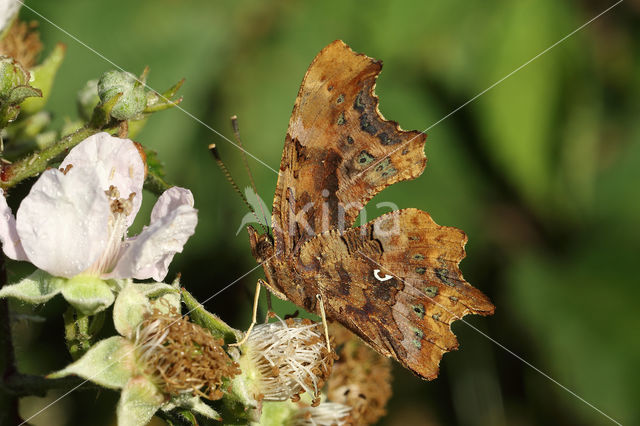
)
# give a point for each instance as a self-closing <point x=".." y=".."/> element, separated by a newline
<point x="283" y="359"/>
<point x="133" y="100"/>
<point x="87" y="99"/>
<point x="11" y="75"/>
<point x="14" y="89"/>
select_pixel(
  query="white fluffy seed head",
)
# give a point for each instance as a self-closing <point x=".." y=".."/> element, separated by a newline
<point x="291" y="357"/>
<point x="325" y="414"/>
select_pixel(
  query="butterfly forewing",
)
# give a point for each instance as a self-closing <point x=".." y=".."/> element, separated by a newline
<point x="339" y="151"/>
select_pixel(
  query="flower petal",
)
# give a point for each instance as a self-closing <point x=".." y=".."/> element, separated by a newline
<point x="38" y="287"/>
<point x="148" y="255"/>
<point x="88" y="294"/>
<point x="116" y="161"/>
<point x="170" y="200"/>
<point x="109" y="363"/>
<point x="62" y="223"/>
<point x="8" y="9"/>
<point x="139" y="401"/>
<point x="8" y="234"/>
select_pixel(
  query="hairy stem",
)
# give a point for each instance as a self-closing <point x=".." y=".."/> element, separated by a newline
<point x="76" y="333"/>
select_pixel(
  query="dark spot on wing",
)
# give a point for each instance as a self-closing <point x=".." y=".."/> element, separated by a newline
<point x="357" y="104"/>
<point x="431" y="291"/>
<point x="386" y="140"/>
<point x="443" y="276"/>
<point x="366" y="125"/>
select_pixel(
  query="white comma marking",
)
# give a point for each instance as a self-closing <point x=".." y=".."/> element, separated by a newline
<point x="376" y="273"/>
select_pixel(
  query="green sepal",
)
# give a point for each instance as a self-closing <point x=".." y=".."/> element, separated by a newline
<point x="19" y="93"/>
<point x="39" y="287"/>
<point x="193" y="404"/>
<point x="139" y="401"/>
<point x="88" y="294"/>
<point x="158" y="102"/>
<point x="170" y="93"/>
<point x="109" y="363"/>
<point x="102" y="113"/>
<point x="211" y="322"/>
<point x="42" y="77"/>
<point x="133" y="303"/>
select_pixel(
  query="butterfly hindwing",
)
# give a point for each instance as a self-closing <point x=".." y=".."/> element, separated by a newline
<point x="396" y="283"/>
<point x="339" y="151"/>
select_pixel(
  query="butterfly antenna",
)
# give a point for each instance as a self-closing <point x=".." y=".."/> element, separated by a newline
<point x="216" y="156"/>
<point x="236" y="133"/>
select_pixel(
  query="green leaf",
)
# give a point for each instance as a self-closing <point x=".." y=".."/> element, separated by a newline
<point x="138" y="403"/>
<point x="38" y="287"/>
<point x="155" y="181"/>
<point x="518" y="115"/>
<point x="109" y="363"/>
<point x="88" y="294"/>
<point x="578" y="307"/>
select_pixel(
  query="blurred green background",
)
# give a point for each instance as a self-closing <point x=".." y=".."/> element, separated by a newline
<point x="542" y="172"/>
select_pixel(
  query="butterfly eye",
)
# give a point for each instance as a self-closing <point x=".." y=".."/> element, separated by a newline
<point x="376" y="273"/>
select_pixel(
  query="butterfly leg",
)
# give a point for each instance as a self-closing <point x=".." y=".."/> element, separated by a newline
<point x="270" y="312"/>
<point x="324" y="321"/>
<point x="256" y="299"/>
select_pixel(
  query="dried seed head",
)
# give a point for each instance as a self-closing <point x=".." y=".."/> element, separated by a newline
<point x="291" y="357"/>
<point x="361" y="378"/>
<point x="22" y="43"/>
<point x="327" y="413"/>
<point x="182" y="357"/>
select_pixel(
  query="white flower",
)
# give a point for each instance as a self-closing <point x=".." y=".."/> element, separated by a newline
<point x="8" y="9"/>
<point x="74" y="221"/>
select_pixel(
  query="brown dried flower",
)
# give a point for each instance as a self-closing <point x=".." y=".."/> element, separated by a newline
<point x="22" y="43"/>
<point x="182" y="357"/>
<point x="361" y="378"/>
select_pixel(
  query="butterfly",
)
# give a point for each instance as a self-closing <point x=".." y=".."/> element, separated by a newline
<point x="394" y="281"/>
